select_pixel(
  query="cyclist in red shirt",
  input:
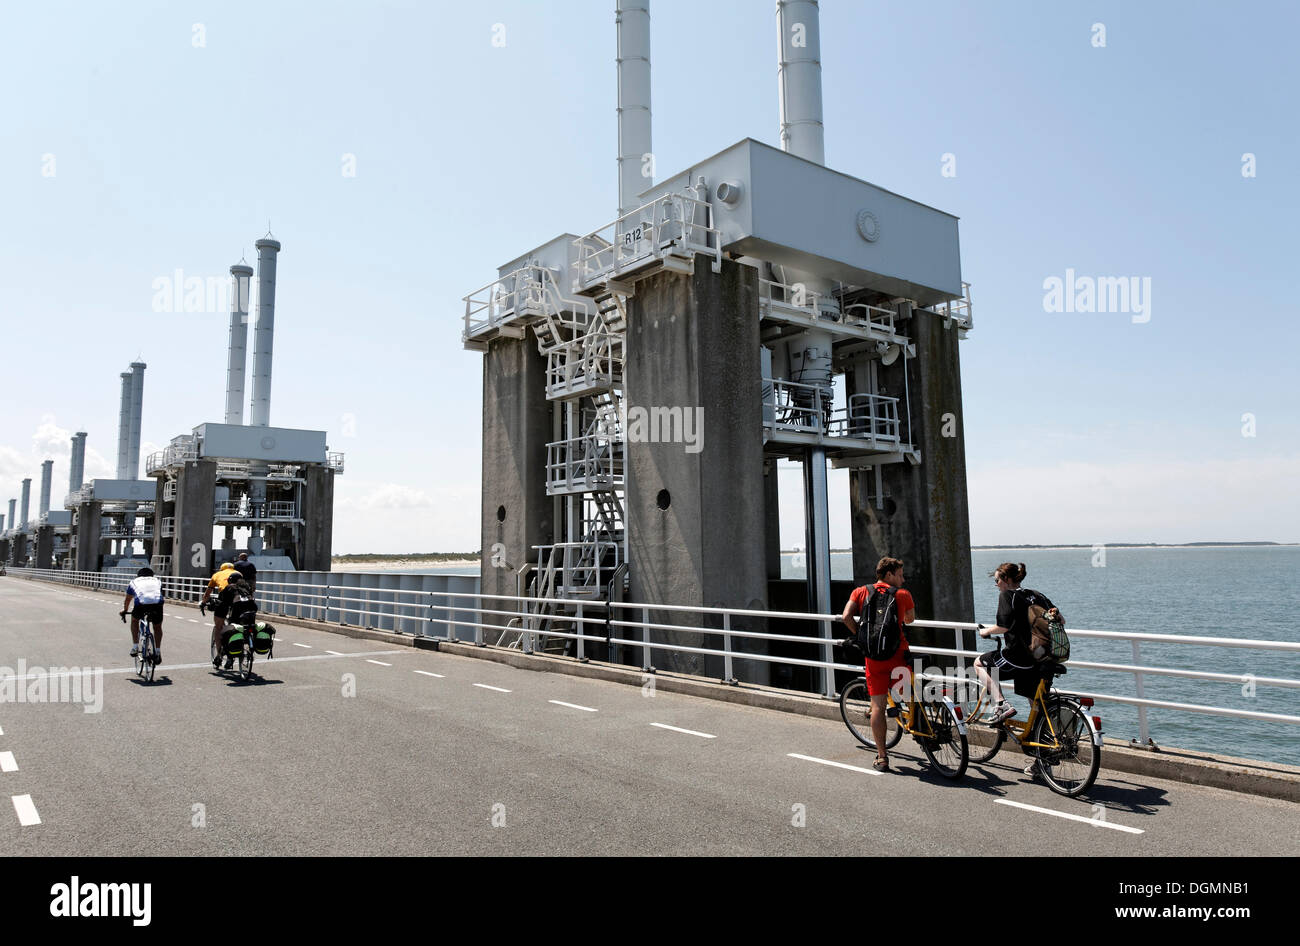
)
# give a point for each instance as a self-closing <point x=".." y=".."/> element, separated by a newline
<point x="882" y="674"/>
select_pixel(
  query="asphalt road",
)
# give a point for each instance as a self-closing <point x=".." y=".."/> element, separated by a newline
<point x="346" y="746"/>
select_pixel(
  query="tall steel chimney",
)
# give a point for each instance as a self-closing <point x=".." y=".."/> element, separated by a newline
<point x="799" y="78"/>
<point x="632" y="19"/>
<point x="259" y="408"/>
<point x="124" y="426"/>
<point x="77" y="464"/>
<point x="47" y="480"/>
<point x="137" y="413"/>
<point x="27" y="501"/>
<point x="13" y="523"/>
<point x="240" y="282"/>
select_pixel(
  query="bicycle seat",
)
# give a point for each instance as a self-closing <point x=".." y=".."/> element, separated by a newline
<point x="1058" y="670"/>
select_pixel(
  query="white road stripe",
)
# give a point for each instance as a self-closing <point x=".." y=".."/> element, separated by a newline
<point x="1061" y="814"/>
<point x="486" y="687"/>
<point x="689" y="732"/>
<point x="838" y="765"/>
<point x="7" y="763"/>
<point x="2" y="732"/>
<point x="27" y="815"/>
<point x="380" y="662"/>
<point x="429" y="673"/>
<point x="335" y="653"/>
<point x="585" y="709"/>
<point x="296" y="644"/>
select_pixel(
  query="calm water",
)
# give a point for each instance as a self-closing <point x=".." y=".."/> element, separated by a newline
<point x="1245" y="593"/>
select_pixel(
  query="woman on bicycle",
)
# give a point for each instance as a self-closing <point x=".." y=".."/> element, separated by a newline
<point x="1013" y="656"/>
<point x="892" y="671"/>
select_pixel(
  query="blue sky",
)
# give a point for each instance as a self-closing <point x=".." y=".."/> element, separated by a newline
<point x="1124" y="160"/>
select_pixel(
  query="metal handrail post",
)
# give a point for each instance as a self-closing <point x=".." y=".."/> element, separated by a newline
<point x="645" y="639"/>
<point x="582" y="635"/>
<point x="1144" y="733"/>
<point x="727" y="675"/>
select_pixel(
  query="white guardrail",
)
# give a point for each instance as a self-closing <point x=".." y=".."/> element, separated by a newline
<point x="451" y="608"/>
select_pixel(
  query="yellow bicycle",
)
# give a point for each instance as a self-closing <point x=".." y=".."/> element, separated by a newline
<point x="935" y="724"/>
<point x="1059" y="733"/>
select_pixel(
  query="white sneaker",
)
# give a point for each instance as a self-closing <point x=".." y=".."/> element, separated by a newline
<point x="1031" y="769"/>
<point x="1001" y="713"/>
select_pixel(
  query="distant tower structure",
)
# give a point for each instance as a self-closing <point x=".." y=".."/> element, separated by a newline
<point x="237" y="357"/>
<point x="642" y="382"/>
<point x="77" y="465"/>
<point x="259" y="408"/>
<point x="26" y="504"/>
<point x="47" y="481"/>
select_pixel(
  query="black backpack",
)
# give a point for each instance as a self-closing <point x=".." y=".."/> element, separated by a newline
<point x="1048" y="641"/>
<point x="878" y="632"/>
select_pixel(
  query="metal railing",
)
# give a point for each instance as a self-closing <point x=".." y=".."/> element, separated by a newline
<point x="959" y="310"/>
<point x="243" y="509"/>
<point x="584" y="464"/>
<point x="335" y="461"/>
<point x="671" y="225"/>
<point x="807" y="408"/>
<point x="696" y="633"/>
<point x="178" y="451"/>
<point x="781" y="300"/>
<point x="527" y="293"/>
<point x="591" y="362"/>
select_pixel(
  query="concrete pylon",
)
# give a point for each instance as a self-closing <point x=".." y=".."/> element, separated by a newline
<point x="47" y="481"/>
<point x="259" y="408"/>
<point x="26" y="503"/>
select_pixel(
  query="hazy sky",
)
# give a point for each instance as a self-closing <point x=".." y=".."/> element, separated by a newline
<point x="145" y="138"/>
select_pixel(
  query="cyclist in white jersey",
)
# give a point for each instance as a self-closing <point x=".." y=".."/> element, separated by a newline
<point x="146" y="592"/>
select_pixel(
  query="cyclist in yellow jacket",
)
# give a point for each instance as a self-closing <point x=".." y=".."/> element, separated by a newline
<point x="217" y="583"/>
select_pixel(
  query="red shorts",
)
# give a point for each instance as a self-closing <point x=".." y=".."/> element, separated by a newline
<point x="881" y="674"/>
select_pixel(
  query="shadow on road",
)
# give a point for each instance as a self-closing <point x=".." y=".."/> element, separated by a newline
<point x="157" y="682"/>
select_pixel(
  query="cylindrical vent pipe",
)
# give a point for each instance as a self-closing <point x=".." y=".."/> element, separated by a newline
<point x="27" y="501"/>
<point x="259" y="408"/>
<point x="13" y="523"/>
<point x="240" y="282"/>
<point x="635" y="166"/>
<point x="799" y="78"/>
<point x="77" y="466"/>
<point x="137" y="415"/>
<point x="47" y="481"/>
<point x="124" y="426"/>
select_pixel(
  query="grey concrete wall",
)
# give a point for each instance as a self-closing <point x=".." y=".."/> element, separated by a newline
<point x="45" y="547"/>
<point x="693" y="342"/>
<point x="926" y="519"/>
<point x="4" y="550"/>
<point x="21" y="548"/>
<point x="88" y="541"/>
<point x="516" y="512"/>
<point x="195" y="497"/>
<point x="161" y="510"/>
<point x="316" y="548"/>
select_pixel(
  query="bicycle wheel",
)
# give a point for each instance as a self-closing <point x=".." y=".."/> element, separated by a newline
<point x="246" y="663"/>
<point x="147" y="655"/>
<point x="1068" y="760"/>
<point x="138" y="660"/>
<point x="944" y="744"/>
<point x="984" y="740"/>
<point x="855" y="707"/>
<point x="216" y="652"/>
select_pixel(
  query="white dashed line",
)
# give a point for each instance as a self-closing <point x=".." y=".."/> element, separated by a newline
<point x="429" y="673"/>
<point x="689" y="732"/>
<point x="486" y="687"/>
<point x="335" y="653"/>
<point x="1096" y="823"/>
<point x="27" y="815"/>
<point x="2" y="732"/>
<point x="296" y="644"/>
<point x="380" y="662"/>
<point x="585" y="709"/>
<point x="838" y="765"/>
<point x="7" y="763"/>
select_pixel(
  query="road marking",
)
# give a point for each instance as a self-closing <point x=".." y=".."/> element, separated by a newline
<point x="838" y="765"/>
<point x="206" y="665"/>
<point x="26" y="810"/>
<point x="7" y="763"/>
<point x="380" y="662"/>
<point x="335" y="653"/>
<point x="296" y="644"/>
<point x="429" y="673"/>
<point x="2" y="732"/>
<point x="585" y="709"/>
<point x="279" y="640"/>
<point x="193" y="621"/>
<point x="486" y="687"/>
<point x="689" y="732"/>
<point x="1061" y="814"/>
